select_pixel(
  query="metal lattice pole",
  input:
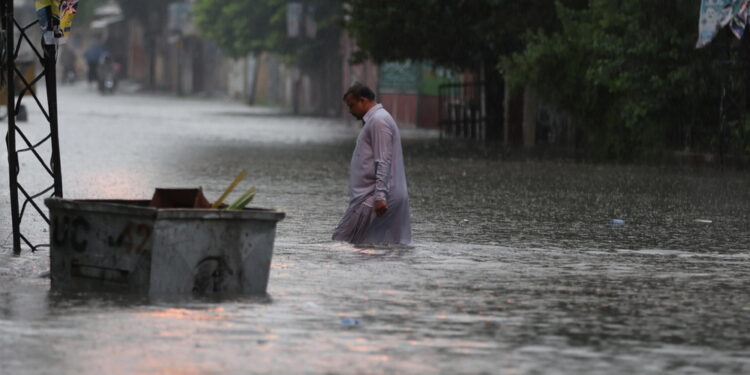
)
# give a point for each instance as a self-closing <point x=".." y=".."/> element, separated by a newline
<point x="50" y="75"/>
<point x="15" y="77"/>
<point x="10" y="139"/>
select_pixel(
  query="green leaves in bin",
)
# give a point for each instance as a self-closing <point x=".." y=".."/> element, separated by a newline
<point x="240" y="177"/>
<point x="243" y="200"/>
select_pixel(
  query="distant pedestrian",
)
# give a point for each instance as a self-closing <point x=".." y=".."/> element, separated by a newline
<point x="92" y="56"/>
<point x="378" y="210"/>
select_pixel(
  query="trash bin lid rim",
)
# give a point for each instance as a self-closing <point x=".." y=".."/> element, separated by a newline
<point x="216" y="214"/>
<point x="121" y="206"/>
<point x="140" y="207"/>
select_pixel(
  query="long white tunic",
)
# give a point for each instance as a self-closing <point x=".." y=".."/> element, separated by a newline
<point x="377" y="173"/>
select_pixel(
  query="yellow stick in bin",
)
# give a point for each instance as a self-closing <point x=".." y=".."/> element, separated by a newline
<point x="241" y="176"/>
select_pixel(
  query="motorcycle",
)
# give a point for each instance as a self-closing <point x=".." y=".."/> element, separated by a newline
<point x="107" y="73"/>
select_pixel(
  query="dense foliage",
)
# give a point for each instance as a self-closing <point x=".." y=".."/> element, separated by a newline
<point x="240" y="27"/>
<point x="143" y="9"/>
<point x="85" y="13"/>
<point x="628" y="72"/>
<point x="625" y="70"/>
<point x="452" y="33"/>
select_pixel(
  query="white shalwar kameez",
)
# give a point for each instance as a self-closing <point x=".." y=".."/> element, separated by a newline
<point x="377" y="173"/>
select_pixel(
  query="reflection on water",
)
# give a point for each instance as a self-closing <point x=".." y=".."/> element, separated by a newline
<point x="516" y="266"/>
<point x="113" y="184"/>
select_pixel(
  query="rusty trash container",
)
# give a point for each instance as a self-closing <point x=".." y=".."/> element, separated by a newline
<point x="128" y="246"/>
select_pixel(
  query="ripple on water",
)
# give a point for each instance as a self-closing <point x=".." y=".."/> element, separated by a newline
<point x="515" y="266"/>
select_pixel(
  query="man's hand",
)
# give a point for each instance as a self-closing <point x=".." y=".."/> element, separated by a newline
<point x="380" y="207"/>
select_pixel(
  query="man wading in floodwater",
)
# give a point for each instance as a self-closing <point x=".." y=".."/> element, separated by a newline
<point x="378" y="210"/>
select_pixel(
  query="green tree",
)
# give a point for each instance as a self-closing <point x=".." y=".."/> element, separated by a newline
<point x="452" y="33"/>
<point x="85" y="13"/>
<point x="144" y="10"/>
<point x="628" y="73"/>
<point x="240" y="27"/>
<point x="456" y="34"/>
<point x="151" y="14"/>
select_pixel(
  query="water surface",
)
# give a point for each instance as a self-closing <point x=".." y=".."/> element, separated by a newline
<point x="515" y="268"/>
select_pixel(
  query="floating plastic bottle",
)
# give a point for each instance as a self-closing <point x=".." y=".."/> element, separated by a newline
<point x="617" y="221"/>
<point x="349" y="322"/>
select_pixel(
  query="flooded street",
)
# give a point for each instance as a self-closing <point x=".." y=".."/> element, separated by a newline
<point x="516" y="267"/>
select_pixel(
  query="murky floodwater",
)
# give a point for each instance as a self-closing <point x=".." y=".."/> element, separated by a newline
<point x="515" y="269"/>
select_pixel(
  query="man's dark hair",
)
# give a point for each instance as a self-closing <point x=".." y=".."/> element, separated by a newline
<point x="359" y="90"/>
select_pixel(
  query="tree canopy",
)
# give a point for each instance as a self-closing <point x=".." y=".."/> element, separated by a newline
<point x="452" y="33"/>
<point x="625" y="70"/>
<point x="142" y="9"/>
<point x="85" y="12"/>
<point x="240" y="27"/>
<point x="628" y="72"/>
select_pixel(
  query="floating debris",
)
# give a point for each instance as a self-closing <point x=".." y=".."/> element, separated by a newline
<point x="349" y="322"/>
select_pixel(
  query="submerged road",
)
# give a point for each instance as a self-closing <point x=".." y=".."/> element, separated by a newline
<point x="516" y="267"/>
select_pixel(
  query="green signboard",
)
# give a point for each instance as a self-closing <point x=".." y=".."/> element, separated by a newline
<point x="399" y="77"/>
<point x="413" y="78"/>
<point x="432" y="78"/>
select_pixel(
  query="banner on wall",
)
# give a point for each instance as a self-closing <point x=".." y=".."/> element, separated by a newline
<point x="716" y="14"/>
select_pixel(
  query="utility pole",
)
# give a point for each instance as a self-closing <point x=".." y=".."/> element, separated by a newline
<point x="17" y="87"/>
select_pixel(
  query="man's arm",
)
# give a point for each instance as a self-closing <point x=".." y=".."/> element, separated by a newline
<point x="382" y="146"/>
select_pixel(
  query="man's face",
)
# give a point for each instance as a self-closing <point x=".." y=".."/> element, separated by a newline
<point x="357" y="106"/>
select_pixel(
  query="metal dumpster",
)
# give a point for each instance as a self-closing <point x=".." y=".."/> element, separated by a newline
<point x="125" y="245"/>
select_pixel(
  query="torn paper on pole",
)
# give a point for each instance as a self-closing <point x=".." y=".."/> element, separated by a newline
<point x="740" y="20"/>
<point x="715" y="14"/>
